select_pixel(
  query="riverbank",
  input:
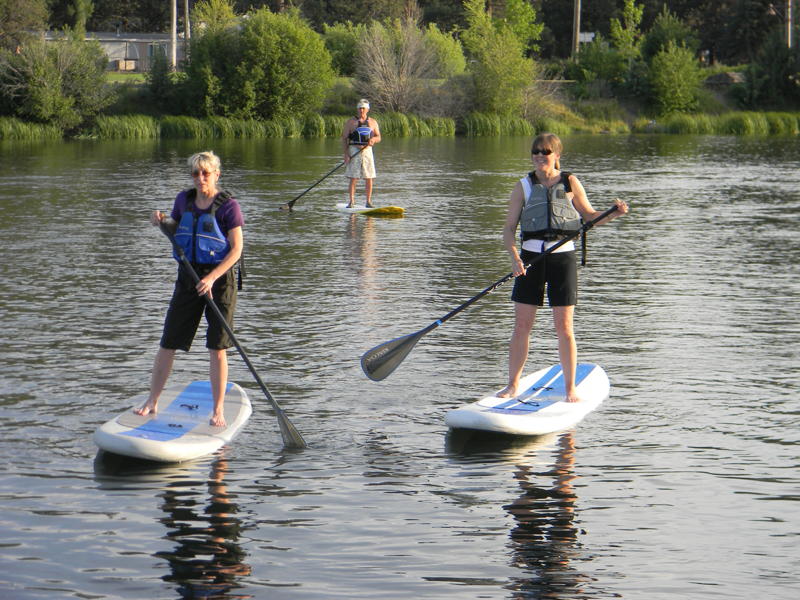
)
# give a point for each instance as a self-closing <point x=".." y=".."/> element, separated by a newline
<point x="402" y="125"/>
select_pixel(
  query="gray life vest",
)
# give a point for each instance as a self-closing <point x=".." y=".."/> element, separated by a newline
<point x="547" y="214"/>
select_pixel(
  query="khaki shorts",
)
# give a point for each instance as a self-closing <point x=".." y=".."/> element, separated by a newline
<point x="361" y="165"/>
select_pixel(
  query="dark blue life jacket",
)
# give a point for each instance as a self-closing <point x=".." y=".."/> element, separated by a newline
<point x="361" y="135"/>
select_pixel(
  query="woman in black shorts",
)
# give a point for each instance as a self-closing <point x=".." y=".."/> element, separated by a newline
<point x="207" y="223"/>
<point x="547" y="204"/>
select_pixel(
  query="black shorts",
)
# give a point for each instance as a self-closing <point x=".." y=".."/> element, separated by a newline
<point x="186" y="308"/>
<point x="559" y="270"/>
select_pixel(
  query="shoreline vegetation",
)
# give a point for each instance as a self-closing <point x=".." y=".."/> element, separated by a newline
<point x="133" y="126"/>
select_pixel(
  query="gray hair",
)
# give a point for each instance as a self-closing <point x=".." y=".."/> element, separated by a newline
<point x="206" y="159"/>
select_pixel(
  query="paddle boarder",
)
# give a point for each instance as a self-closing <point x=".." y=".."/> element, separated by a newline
<point x="207" y="223"/>
<point x="547" y="204"/>
<point x="359" y="135"/>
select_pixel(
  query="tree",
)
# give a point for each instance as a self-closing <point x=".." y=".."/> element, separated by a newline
<point x="392" y="64"/>
<point x="626" y="34"/>
<point x="675" y="79"/>
<point x="19" y="19"/>
<point x="343" y="40"/>
<point x="499" y="68"/>
<point x="447" y="53"/>
<point x="60" y="83"/>
<point x="213" y="14"/>
<point x="668" y="28"/>
<point x="265" y="66"/>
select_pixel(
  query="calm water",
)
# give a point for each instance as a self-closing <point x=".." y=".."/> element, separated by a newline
<point x="684" y="484"/>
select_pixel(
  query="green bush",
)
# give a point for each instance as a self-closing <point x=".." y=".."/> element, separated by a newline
<point x="675" y="79"/>
<point x="61" y="82"/>
<point x="447" y="53"/>
<point x="268" y="66"/>
<point x="342" y="41"/>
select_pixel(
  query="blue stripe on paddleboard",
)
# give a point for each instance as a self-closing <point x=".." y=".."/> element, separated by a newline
<point x="534" y="389"/>
<point x="182" y="416"/>
<point x="526" y="402"/>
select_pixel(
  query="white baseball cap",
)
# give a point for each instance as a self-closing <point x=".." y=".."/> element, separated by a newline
<point x="363" y="103"/>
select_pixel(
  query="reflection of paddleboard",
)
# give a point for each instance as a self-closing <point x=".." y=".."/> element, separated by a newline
<point x="180" y="429"/>
<point x="377" y="211"/>
<point x="539" y="408"/>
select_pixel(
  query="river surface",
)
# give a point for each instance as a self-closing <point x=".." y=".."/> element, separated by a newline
<point x="683" y="484"/>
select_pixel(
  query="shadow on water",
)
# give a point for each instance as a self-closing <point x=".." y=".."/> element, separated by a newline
<point x="207" y="561"/>
<point x="543" y="543"/>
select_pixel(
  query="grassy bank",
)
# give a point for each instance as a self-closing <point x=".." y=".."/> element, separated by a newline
<point x="401" y="125"/>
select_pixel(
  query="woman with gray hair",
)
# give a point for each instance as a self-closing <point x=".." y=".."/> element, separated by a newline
<point x="206" y="223"/>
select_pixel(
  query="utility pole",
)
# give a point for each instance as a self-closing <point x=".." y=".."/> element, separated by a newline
<point x="576" y="28"/>
<point x="789" y="23"/>
<point x="173" y="42"/>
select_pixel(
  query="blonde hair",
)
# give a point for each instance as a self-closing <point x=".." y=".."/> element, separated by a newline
<point x="206" y="159"/>
<point x="548" y="141"/>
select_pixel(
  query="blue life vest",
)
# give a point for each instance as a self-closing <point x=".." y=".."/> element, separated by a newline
<point x="200" y="235"/>
<point x="361" y="134"/>
<point x="547" y="214"/>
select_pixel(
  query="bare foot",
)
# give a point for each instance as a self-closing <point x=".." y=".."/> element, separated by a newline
<point x="147" y="408"/>
<point x="573" y="397"/>
<point x="507" y="392"/>
<point x="217" y="420"/>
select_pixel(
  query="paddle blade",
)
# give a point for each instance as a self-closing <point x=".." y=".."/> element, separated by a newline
<point x="379" y="362"/>
<point x="291" y="437"/>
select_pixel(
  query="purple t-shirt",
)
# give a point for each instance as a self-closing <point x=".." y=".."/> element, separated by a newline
<point x="229" y="215"/>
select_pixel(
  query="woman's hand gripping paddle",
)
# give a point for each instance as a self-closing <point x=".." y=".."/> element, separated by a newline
<point x="381" y="360"/>
<point x="291" y="437"/>
<point x="288" y="206"/>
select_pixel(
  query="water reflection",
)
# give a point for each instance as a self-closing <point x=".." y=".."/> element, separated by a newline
<point x="207" y="561"/>
<point x="544" y="541"/>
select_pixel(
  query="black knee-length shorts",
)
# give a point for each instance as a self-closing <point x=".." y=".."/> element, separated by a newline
<point x="558" y="271"/>
<point x="186" y="308"/>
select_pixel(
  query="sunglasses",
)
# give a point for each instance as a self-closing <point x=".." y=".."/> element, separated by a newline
<point x="542" y="151"/>
<point x="203" y="172"/>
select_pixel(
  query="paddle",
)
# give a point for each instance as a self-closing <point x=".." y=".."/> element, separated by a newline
<point x="290" y="204"/>
<point x="381" y="360"/>
<point x="291" y="437"/>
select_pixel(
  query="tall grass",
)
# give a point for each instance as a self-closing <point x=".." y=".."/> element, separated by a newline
<point x="14" y="129"/>
<point x="131" y="127"/>
<point x="732" y="123"/>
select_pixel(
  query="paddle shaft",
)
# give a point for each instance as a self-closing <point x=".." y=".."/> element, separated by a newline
<point x="381" y="360"/>
<point x="291" y="202"/>
<point x="586" y="227"/>
<point x="291" y="437"/>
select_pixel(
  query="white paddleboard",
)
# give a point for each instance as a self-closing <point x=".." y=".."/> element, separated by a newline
<point x="180" y="430"/>
<point x="376" y="211"/>
<point x="539" y="408"/>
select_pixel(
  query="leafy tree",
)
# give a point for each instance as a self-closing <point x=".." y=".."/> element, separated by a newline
<point x="60" y="83"/>
<point x="520" y="16"/>
<point x="342" y="41"/>
<point x="675" y="79"/>
<point x="19" y="19"/>
<point x="447" y="52"/>
<point x="500" y="70"/>
<point x="213" y="14"/>
<point x="267" y="65"/>
<point x="626" y="34"/>
<point x="668" y="28"/>
<point x="773" y="79"/>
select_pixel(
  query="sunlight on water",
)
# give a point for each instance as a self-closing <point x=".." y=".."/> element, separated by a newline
<point x="683" y="483"/>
